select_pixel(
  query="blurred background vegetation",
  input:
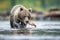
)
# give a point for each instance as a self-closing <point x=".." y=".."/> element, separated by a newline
<point x="37" y="5"/>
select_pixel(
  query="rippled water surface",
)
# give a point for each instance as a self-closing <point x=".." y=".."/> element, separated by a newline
<point x="45" y="30"/>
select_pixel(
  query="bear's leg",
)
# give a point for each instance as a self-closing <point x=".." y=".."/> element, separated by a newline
<point x="16" y="25"/>
<point x="11" y="23"/>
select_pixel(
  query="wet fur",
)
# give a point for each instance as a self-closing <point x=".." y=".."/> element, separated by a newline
<point x="16" y="14"/>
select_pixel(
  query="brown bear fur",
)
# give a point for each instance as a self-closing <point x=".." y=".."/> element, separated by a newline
<point x="19" y="14"/>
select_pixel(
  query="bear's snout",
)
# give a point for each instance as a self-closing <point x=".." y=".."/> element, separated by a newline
<point x="27" y="21"/>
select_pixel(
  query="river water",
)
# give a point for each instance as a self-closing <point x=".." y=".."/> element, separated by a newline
<point x="45" y="30"/>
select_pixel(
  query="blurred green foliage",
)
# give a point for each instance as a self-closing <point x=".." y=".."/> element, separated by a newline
<point x="34" y="4"/>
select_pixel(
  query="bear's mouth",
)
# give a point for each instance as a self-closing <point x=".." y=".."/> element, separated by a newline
<point x="23" y="21"/>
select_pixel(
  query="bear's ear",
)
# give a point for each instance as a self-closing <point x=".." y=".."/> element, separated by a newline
<point x="21" y="9"/>
<point x="30" y="10"/>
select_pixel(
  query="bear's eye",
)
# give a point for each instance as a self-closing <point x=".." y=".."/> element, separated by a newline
<point x="28" y="17"/>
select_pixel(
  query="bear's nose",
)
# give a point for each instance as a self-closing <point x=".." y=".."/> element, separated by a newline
<point x="27" y="21"/>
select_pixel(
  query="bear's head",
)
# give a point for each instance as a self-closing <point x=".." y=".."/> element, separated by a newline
<point x="24" y="14"/>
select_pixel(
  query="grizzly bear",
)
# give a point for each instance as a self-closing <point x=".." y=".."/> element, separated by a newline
<point x="20" y="16"/>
